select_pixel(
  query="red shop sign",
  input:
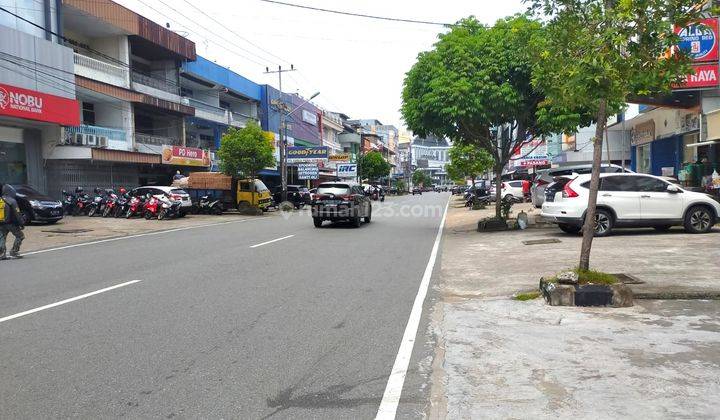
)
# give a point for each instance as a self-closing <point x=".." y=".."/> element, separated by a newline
<point x="706" y="76"/>
<point x="33" y="105"/>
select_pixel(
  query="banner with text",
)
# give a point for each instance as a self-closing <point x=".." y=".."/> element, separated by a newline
<point x="308" y="171"/>
<point x="307" y="154"/>
<point x="346" y="170"/>
<point x="185" y="156"/>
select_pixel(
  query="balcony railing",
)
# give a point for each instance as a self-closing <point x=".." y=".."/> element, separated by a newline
<point x="155" y="83"/>
<point x="155" y="140"/>
<point x="240" y="120"/>
<point x="92" y="136"/>
<point x="100" y="70"/>
<point x="207" y="111"/>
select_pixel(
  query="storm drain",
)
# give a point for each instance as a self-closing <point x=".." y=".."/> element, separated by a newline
<point x="628" y="279"/>
<point x="67" y="231"/>
<point x="542" y="241"/>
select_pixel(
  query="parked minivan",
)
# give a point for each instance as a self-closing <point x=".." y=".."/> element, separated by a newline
<point x="546" y="176"/>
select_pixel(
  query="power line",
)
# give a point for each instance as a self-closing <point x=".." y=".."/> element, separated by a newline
<point x="339" y="12"/>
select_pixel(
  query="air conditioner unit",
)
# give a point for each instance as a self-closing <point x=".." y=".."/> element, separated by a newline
<point x="91" y="140"/>
<point x="79" y="139"/>
<point x="102" y="141"/>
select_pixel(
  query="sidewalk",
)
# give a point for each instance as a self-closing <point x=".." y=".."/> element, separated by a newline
<point x="499" y="358"/>
<point x="74" y="230"/>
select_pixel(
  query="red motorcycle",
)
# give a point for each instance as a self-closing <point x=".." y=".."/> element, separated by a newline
<point x="135" y="207"/>
<point x="110" y="203"/>
<point x="151" y="208"/>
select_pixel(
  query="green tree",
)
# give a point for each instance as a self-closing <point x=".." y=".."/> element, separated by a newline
<point x="373" y="166"/>
<point x="245" y="152"/>
<point x="598" y="54"/>
<point x="400" y="186"/>
<point x="455" y="174"/>
<point x="421" y="178"/>
<point x="475" y="87"/>
<point x="470" y="161"/>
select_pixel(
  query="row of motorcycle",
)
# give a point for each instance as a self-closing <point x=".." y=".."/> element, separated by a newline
<point x="108" y="203"/>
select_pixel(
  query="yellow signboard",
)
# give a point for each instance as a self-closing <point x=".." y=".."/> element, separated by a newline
<point x="340" y="157"/>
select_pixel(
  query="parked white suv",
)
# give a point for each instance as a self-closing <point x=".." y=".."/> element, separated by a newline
<point x="631" y="200"/>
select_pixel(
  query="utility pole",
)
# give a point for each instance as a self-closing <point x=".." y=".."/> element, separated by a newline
<point x="283" y="130"/>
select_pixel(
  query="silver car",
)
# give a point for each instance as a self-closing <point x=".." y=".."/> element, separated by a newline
<point x="546" y="176"/>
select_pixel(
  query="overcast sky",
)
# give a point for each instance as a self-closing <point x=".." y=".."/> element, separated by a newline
<point x="357" y="64"/>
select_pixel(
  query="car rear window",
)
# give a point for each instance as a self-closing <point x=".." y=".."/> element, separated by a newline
<point x="335" y="189"/>
<point x="516" y="183"/>
<point x="178" y="191"/>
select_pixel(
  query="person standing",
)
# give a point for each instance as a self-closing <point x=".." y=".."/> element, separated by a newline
<point x="11" y="223"/>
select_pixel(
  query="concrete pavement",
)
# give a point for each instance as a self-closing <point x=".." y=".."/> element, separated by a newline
<point x="304" y="327"/>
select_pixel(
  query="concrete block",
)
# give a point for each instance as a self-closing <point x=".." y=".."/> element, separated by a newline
<point x="622" y="296"/>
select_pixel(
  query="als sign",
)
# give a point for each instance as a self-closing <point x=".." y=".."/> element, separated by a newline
<point x="699" y="41"/>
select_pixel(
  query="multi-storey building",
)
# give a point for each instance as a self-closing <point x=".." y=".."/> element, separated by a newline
<point x="37" y="89"/>
<point x="127" y="78"/>
<point x="430" y="154"/>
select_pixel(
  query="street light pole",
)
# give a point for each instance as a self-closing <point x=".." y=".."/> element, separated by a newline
<point x="283" y="131"/>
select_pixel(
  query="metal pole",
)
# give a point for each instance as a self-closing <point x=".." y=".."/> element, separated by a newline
<point x="283" y="142"/>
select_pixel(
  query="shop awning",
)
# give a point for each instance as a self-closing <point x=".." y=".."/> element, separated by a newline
<point x="703" y="143"/>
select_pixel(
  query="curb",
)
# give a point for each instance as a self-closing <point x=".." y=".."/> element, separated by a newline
<point x="688" y="295"/>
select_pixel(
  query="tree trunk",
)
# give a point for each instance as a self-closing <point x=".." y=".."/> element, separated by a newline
<point x="498" y="191"/>
<point x="589" y="226"/>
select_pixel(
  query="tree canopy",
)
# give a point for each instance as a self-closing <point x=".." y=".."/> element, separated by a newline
<point x="373" y="166"/>
<point x="245" y="152"/>
<point x="421" y="177"/>
<point x="468" y="161"/>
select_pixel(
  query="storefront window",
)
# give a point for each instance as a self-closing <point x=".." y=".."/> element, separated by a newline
<point x="643" y="159"/>
<point x="12" y="163"/>
<point x="690" y="153"/>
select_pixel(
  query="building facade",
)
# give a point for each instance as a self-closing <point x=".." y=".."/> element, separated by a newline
<point x="430" y="154"/>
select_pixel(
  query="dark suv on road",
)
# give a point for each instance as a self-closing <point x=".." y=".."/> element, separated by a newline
<point x="336" y="201"/>
<point x="296" y="194"/>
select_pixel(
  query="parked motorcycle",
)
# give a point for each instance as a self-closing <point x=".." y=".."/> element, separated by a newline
<point x="123" y="203"/>
<point x="209" y="205"/>
<point x="168" y="208"/>
<point x="97" y="205"/>
<point x="135" y="207"/>
<point x="111" y="201"/>
<point x="68" y="202"/>
<point x="151" y="208"/>
<point x="81" y="202"/>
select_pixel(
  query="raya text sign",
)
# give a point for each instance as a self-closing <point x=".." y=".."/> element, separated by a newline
<point x="308" y="171"/>
<point x="307" y="154"/>
<point x="346" y="170"/>
<point x="706" y="76"/>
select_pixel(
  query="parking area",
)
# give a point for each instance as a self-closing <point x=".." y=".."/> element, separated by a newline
<point x="500" y="358"/>
<point x="73" y="230"/>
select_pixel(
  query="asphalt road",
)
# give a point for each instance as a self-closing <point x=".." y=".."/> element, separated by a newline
<point x="304" y="327"/>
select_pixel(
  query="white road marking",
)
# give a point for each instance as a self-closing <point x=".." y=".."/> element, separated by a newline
<point x="394" y="387"/>
<point x="62" y="302"/>
<point x="274" y="240"/>
<point x="139" y="235"/>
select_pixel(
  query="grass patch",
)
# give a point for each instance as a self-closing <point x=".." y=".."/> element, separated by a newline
<point x="527" y="296"/>
<point x="590" y="276"/>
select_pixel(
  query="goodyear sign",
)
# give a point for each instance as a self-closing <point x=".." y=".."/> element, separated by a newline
<point x="307" y="154"/>
<point x="346" y="170"/>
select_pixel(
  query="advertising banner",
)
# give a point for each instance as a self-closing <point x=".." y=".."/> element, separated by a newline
<point x="33" y="105"/>
<point x="706" y="76"/>
<point x="307" y="154"/>
<point x="340" y="157"/>
<point x="699" y="41"/>
<point x="531" y="153"/>
<point x="346" y="170"/>
<point x="308" y="171"/>
<point x="185" y="156"/>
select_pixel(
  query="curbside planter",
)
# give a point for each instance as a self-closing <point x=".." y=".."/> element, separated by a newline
<point x="616" y="295"/>
<point x="492" y="224"/>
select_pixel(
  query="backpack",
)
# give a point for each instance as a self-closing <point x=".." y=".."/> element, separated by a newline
<point x="4" y="211"/>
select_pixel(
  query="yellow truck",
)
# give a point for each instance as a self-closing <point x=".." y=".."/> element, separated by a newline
<point x="233" y="192"/>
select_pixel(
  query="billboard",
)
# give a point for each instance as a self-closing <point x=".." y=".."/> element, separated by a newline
<point x="185" y="156"/>
<point x="706" y="76"/>
<point x="308" y="171"/>
<point x="531" y="153"/>
<point x="307" y="154"/>
<point x="346" y="170"/>
<point x="699" y="40"/>
<point x="32" y="105"/>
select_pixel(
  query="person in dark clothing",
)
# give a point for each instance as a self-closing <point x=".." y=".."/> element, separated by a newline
<point x="13" y="223"/>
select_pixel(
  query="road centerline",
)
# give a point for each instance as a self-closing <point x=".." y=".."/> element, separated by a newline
<point x="63" y="302"/>
<point x="272" y="241"/>
<point x="396" y="381"/>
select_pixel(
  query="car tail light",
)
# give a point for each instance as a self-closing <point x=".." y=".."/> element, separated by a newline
<point x="176" y="197"/>
<point x="569" y="192"/>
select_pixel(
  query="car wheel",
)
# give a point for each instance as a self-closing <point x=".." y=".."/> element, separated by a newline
<point x="663" y="228"/>
<point x="26" y="217"/>
<point x="603" y="222"/>
<point x="699" y="219"/>
<point x="317" y="221"/>
<point x="356" y="221"/>
<point x="569" y="228"/>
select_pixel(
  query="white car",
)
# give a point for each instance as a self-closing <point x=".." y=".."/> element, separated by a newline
<point x="631" y="200"/>
<point x="512" y="188"/>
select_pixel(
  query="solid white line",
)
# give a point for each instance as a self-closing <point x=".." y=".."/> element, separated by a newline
<point x="394" y="387"/>
<point x="62" y="302"/>
<point x="139" y="235"/>
<point x="274" y="240"/>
